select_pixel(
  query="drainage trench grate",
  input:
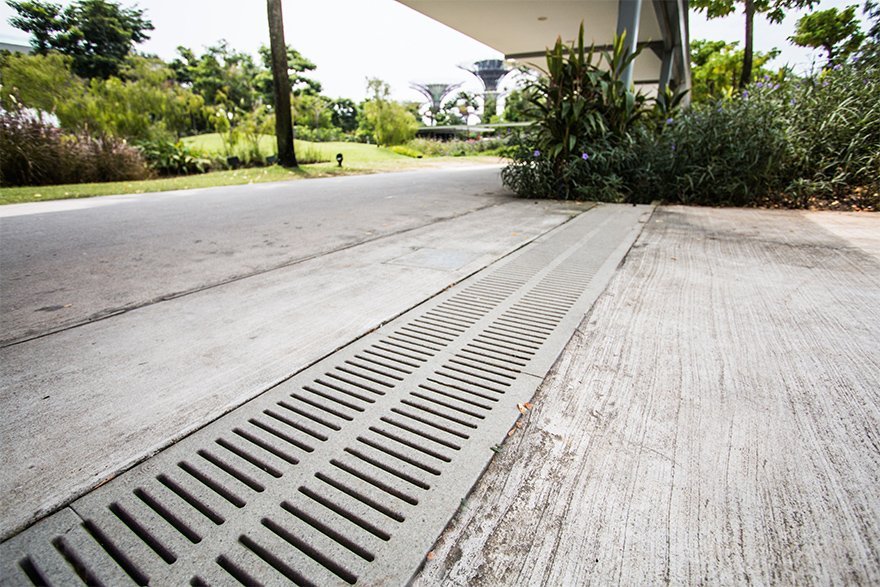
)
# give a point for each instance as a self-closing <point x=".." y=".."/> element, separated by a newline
<point x="347" y="472"/>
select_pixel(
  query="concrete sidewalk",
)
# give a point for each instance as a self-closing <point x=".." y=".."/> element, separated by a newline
<point x="83" y="404"/>
<point x="713" y="421"/>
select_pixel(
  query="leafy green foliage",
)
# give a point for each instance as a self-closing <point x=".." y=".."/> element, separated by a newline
<point x="799" y="143"/>
<point x="838" y="33"/>
<point x="457" y="148"/>
<point x="97" y="34"/>
<point x="388" y="122"/>
<point x="579" y="106"/>
<point x="774" y="10"/>
<point x="406" y="151"/>
<point x="716" y="68"/>
<point x="174" y="158"/>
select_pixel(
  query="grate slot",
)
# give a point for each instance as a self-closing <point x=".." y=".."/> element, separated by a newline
<point x="313" y="403"/>
<point x="439" y="325"/>
<point x="478" y="372"/>
<point x="275" y="562"/>
<point x="116" y="553"/>
<point x="349" y="371"/>
<point x="419" y="432"/>
<point x="287" y="420"/>
<point x="373" y="369"/>
<point x="436" y="412"/>
<point x="329" y="397"/>
<point x="249" y="457"/>
<point x="32" y="572"/>
<point x="427" y="422"/>
<point x="480" y="366"/>
<point x="285" y="436"/>
<point x="511" y="357"/>
<point x="397" y="350"/>
<point x="346" y="514"/>
<point x="167" y="515"/>
<point x="396" y="516"/>
<point x="266" y="445"/>
<point x="453" y="407"/>
<point x="483" y="359"/>
<point x="310" y="551"/>
<point x="230" y="470"/>
<point x="341" y="389"/>
<point x="511" y="338"/>
<point x="145" y="535"/>
<point x="190" y="499"/>
<point x="373" y="358"/>
<point x="448" y="394"/>
<point x="329" y="532"/>
<point x="212" y="484"/>
<point x="389" y="469"/>
<point x="397" y="454"/>
<point x="303" y="411"/>
<point x="505" y="344"/>
<point x="405" y="338"/>
<point x="236" y="573"/>
<point x="377" y="483"/>
<point x="427" y="334"/>
<point x="396" y="437"/>
<point x="459" y="377"/>
<point x="75" y="562"/>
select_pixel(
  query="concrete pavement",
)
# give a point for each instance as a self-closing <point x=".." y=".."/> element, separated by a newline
<point x="88" y="401"/>
<point x="714" y="420"/>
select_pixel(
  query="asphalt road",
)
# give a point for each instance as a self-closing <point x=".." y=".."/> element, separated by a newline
<point x="71" y="262"/>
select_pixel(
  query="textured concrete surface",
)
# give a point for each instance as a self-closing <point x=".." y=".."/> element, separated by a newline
<point x="68" y="262"/>
<point x="81" y="404"/>
<point x="714" y="420"/>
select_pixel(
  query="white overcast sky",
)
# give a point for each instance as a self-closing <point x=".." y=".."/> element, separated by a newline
<point x="350" y="40"/>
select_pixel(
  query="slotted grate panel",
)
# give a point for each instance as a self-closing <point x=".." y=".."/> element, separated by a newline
<point x="347" y="472"/>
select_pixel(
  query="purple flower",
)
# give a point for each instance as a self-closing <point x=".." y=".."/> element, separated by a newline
<point x="824" y="84"/>
<point x="745" y="94"/>
<point x="855" y="59"/>
<point x="838" y="67"/>
<point x="673" y="147"/>
<point x="792" y="102"/>
<point x="537" y="153"/>
<point x="669" y="121"/>
<point x="584" y="156"/>
<point x="759" y="85"/>
<point x="775" y="86"/>
<point x="766" y="77"/>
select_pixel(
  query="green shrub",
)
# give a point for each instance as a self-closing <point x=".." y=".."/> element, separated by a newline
<point x="34" y="153"/>
<point x="174" y="158"/>
<point x="457" y="147"/>
<point x="406" y="151"/>
<point x="306" y="154"/>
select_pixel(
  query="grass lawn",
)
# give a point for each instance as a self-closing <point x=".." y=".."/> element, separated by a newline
<point x="353" y="153"/>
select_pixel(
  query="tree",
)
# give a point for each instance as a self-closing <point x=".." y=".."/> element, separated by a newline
<point x="389" y="122"/>
<point x="716" y="67"/>
<point x="773" y="9"/>
<point x="281" y="84"/>
<point x="837" y="32"/>
<point x="97" y="34"/>
<point x="296" y="66"/>
<point x="345" y="115"/>
<point x="518" y="106"/>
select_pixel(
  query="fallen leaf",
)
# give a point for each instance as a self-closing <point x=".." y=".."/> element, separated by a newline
<point x="431" y="556"/>
<point x="510" y="432"/>
<point x="529" y="405"/>
<point x="522" y="409"/>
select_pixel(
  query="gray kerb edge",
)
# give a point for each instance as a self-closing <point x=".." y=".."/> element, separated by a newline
<point x="347" y="472"/>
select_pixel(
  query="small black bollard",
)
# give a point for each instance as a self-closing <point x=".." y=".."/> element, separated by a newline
<point x="339" y="159"/>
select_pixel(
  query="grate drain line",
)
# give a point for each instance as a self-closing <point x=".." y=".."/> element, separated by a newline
<point x="347" y="472"/>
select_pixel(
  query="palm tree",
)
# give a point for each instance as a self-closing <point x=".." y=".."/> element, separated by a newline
<point x="281" y="80"/>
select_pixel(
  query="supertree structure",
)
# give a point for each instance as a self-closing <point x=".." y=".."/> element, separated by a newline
<point x="435" y="93"/>
<point x="490" y="72"/>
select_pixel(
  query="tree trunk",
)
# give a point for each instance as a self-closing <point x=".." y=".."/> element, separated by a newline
<point x="281" y="82"/>
<point x="749" y="46"/>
